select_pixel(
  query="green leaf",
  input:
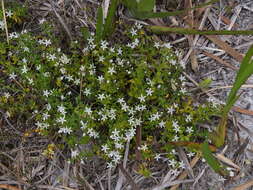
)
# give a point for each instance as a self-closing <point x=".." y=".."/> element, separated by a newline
<point x="99" y="25"/>
<point x="110" y="19"/>
<point x="133" y="7"/>
<point x="205" y="83"/>
<point x="212" y="161"/>
<point x="145" y="5"/>
<point x="245" y="71"/>
<point x="190" y="31"/>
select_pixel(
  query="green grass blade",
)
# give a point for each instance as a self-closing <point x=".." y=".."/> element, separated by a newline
<point x="212" y="161"/>
<point x="189" y="31"/>
<point x="150" y="14"/>
<point x="145" y="5"/>
<point x="245" y="71"/>
<point x="99" y="25"/>
<point x="110" y="19"/>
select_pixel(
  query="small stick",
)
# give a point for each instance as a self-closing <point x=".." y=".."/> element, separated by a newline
<point x="5" y="23"/>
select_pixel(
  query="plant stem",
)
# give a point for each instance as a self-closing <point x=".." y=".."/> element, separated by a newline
<point x="189" y="31"/>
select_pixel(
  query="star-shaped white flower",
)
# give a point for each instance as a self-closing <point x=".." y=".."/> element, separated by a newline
<point x="142" y="98"/>
<point x="111" y="70"/>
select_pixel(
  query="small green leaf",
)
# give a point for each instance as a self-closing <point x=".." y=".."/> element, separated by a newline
<point x="145" y="5"/>
<point x="212" y="161"/>
<point x="110" y="19"/>
<point x="205" y="83"/>
<point x="99" y="25"/>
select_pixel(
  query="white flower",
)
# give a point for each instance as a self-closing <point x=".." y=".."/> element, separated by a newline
<point x="125" y="107"/>
<point x="162" y="124"/>
<point x="121" y="100"/>
<point x="111" y="70"/>
<point x="77" y="81"/>
<point x="100" y="79"/>
<point x="92" y="133"/>
<point x="61" y="120"/>
<point x="12" y="76"/>
<point x="13" y="35"/>
<point x="41" y="21"/>
<point x="188" y="118"/>
<point x="45" y="116"/>
<point x="47" y="42"/>
<point x="183" y="90"/>
<point x="101" y="97"/>
<point x="90" y="40"/>
<point x="51" y="57"/>
<point x="87" y="92"/>
<point x="119" y="145"/>
<point x="167" y="45"/>
<point x="48" y="107"/>
<point x="24" y="69"/>
<point x="61" y="109"/>
<point x="191" y="154"/>
<point x="182" y="64"/>
<point x="110" y="165"/>
<point x="7" y="95"/>
<point x="46" y="93"/>
<point x="176" y="138"/>
<point x="170" y="110"/>
<point x="9" y="13"/>
<point x="119" y="52"/>
<point x="104" y="44"/>
<point x="149" y="92"/>
<point x="181" y="165"/>
<point x="101" y="59"/>
<point x="189" y="130"/>
<point x="155" y="116"/>
<point x="172" y="163"/>
<point x="84" y="125"/>
<point x="157" y="45"/>
<point x="143" y="107"/>
<point x="88" y="110"/>
<point x="142" y="98"/>
<point x="65" y="130"/>
<point x="74" y="153"/>
<point x="129" y="134"/>
<point x="157" y="157"/>
<point x="143" y="147"/>
<point x="133" y="32"/>
<point x="64" y="59"/>
<point x="138" y="26"/>
<point x="105" y="148"/>
<point x="182" y="78"/>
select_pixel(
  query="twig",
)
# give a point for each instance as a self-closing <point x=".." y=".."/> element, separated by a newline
<point x="129" y="178"/>
<point x="121" y="177"/>
<point x="184" y="174"/>
<point x="5" y="23"/>
<point x="244" y="186"/>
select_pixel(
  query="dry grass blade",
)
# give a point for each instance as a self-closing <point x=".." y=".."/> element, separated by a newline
<point x="129" y="178"/>
<point x="229" y="162"/>
<point x="121" y="177"/>
<point x="183" y="157"/>
<point x="220" y="60"/>
<point x="5" y="22"/>
<point x="231" y="51"/>
<point x="184" y="174"/>
<point x="8" y="187"/>
<point x="244" y="186"/>
<point x="190" y="20"/>
<point x="62" y="23"/>
<point x="241" y="110"/>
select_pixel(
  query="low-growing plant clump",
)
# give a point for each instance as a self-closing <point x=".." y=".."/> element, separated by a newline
<point x="102" y="93"/>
